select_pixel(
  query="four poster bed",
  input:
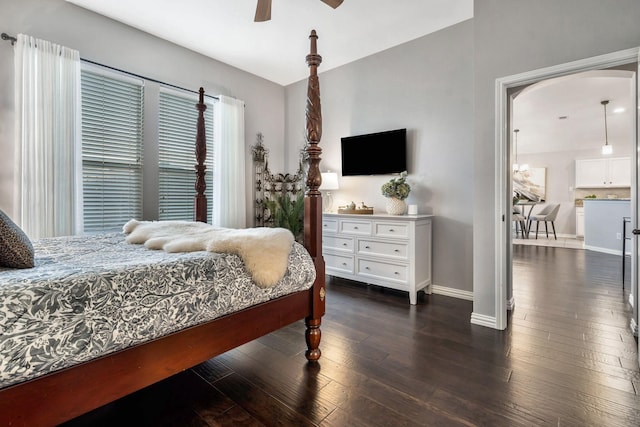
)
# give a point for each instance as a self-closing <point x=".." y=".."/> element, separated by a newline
<point x="62" y="393"/>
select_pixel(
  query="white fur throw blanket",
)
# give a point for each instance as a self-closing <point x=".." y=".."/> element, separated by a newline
<point x="265" y="251"/>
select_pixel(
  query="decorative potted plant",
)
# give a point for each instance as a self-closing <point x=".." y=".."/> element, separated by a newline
<point x="288" y="213"/>
<point x="396" y="190"/>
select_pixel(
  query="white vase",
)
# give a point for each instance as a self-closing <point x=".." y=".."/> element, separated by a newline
<point x="396" y="206"/>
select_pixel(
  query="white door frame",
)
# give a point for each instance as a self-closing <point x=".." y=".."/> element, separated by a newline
<point x="503" y="200"/>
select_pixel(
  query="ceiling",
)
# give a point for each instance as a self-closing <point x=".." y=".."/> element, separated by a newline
<point x="275" y="50"/>
<point x="538" y="109"/>
<point x="224" y="30"/>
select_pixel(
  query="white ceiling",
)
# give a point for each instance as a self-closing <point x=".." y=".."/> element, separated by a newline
<point x="538" y="108"/>
<point x="224" y="29"/>
<point x="275" y="50"/>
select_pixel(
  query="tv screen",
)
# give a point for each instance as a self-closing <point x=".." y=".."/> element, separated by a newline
<point x="375" y="153"/>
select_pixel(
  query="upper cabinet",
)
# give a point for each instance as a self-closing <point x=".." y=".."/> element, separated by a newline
<point x="603" y="172"/>
<point x="620" y="172"/>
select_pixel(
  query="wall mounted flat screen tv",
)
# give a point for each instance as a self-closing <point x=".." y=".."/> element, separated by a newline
<point x="374" y="153"/>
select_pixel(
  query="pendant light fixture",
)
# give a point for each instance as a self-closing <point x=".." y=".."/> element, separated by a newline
<point x="606" y="148"/>
<point x="516" y="166"/>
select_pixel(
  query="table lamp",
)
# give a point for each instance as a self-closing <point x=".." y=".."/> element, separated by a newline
<point x="329" y="182"/>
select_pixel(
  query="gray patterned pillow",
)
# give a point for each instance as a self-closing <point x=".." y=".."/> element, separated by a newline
<point x="16" y="250"/>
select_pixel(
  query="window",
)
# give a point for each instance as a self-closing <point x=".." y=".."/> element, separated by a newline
<point x="177" y="128"/>
<point x="112" y="116"/>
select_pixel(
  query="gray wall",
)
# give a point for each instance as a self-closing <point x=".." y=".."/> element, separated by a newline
<point x="425" y="86"/>
<point x="517" y="36"/>
<point x="108" y="42"/>
<point x="441" y="87"/>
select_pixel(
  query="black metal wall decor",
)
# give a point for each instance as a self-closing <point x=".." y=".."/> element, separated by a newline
<point x="272" y="187"/>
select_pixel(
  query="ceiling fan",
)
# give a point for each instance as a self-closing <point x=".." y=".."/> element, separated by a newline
<point x="263" y="10"/>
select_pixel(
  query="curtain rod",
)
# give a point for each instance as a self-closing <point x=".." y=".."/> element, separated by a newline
<point x="145" y="78"/>
<point x="13" y="40"/>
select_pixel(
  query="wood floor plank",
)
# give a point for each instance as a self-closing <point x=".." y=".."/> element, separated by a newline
<point x="372" y="412"/>
<point x="262" y="406"/>
<point x="529" y="336"/>
<point x="605" y="407"/>
<point x="552" y="357"/>
<point x="567" y="358"/>
<point x="298" y="389"/>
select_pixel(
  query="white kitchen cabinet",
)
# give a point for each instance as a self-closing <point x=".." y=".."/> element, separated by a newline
<point x="620" y="172"/>
<point x="603" y="172"/>
<point x="393" y="251"/>
<point x="580" y="221"/>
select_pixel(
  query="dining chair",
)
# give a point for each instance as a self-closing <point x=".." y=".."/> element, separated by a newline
<point x="547" y="214"/>
<point x="521" y="223"/>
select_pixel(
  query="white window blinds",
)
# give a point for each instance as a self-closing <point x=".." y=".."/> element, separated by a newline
<point x="177" y="128"/>
<point x="112" y="118"/>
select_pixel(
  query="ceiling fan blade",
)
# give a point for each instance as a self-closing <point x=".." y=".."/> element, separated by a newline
<point x="263" y="11"/>
<point x="333" y="3"/>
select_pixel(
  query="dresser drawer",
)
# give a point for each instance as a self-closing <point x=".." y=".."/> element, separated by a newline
<point x="391" y="229"/>
<point x="329" y="225"/>
<point x="338" y="243"/>
<point x="397" y="272"/>
<point x="373" y="247"/>
<point x="355" y="227"/>
<point x="339" y="262"/>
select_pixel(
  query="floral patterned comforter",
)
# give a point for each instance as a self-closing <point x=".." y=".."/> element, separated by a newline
<point x="92" y="295"/>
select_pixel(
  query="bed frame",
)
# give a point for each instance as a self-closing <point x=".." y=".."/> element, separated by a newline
<point x="68" y="393"/>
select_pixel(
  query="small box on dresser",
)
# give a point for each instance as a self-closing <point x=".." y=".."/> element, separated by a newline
<point x="393" y="251"/>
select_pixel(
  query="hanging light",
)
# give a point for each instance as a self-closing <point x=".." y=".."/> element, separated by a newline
<point x="518" y="167"/>
<point x="606" y="148"/>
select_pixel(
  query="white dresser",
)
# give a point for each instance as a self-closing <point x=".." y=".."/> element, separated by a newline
<point x="393" y="251"/>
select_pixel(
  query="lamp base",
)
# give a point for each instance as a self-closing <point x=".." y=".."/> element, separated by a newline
<point x="327" y="202"/>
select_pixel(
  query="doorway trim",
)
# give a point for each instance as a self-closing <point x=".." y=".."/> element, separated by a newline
<point x="501" y="154"/>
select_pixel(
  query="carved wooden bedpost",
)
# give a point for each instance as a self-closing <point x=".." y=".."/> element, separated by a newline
<point x="200" y="202"/>
<point x="313" y="201"/>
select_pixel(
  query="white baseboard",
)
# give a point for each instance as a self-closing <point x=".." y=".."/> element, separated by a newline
<point x="631" y="299"/>
<point x="634" y="327"/>
<point x="565" y="236"/>
<point x="604" y="250"/>
<point x="452" y="292"/>
<point x="483" y="320"/>
<point x="476" y="319"/>
<point x="511" y="303"/>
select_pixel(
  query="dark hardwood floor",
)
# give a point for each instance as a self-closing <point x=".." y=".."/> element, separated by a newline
<point x="566" y="359"/>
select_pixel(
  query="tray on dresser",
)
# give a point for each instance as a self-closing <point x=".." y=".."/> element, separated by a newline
<point x="365" y="211"/>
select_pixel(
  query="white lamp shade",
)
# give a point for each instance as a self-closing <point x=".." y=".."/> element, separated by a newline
<point x="329" y="181"/>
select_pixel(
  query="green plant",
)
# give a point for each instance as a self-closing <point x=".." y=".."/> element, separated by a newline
<point x="397" y="187"/>
<point x="287" y="213"/>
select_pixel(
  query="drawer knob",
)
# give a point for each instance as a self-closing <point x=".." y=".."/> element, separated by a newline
<point x="367" y="247"/>
<point x="396" y="273"/>
<point x="391" y="230"/>
<point x="367" y="268"/>
<point x="344" y="244"/>
<point x="396" y="250"/>
<point x="344" y="263"/>
<point x="355" y="228"/>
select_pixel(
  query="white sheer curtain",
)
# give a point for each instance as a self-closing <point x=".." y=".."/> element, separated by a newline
<point x="229" y="204"/>
<point x="48" y="138"/>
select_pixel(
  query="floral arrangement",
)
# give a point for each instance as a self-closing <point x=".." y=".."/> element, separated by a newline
<point x="397" y="187"/>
